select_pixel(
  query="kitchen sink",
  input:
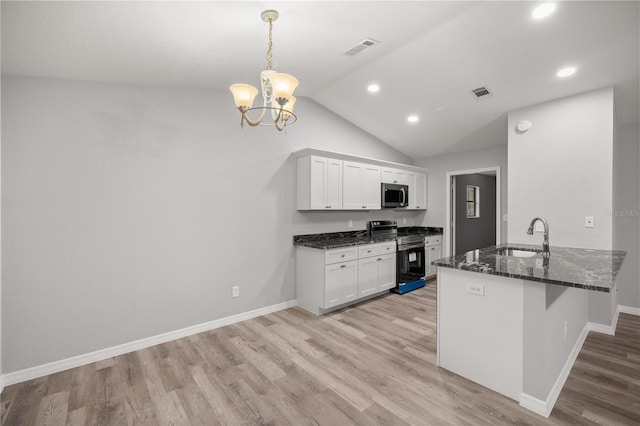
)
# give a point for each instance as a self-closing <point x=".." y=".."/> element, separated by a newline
<point x="516" y="252"/>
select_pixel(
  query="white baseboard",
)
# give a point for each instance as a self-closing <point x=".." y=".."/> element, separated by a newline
<point x="77" y="361"/>
<point x="544" y="408"/>
<point x="611" y="329"/>
<point x="629" y="310"/>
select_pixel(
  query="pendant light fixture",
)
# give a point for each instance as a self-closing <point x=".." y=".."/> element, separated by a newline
<point x="277" y="90"/>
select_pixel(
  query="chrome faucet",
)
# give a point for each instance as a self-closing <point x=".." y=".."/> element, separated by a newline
<point x="545" y="243"/>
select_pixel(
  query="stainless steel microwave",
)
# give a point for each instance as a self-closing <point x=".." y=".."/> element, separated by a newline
<point x="394" y="195"/>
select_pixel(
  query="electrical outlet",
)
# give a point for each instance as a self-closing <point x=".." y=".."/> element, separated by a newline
<point x="235" y="291"/>
<point x="539" y="226"/>
<point x="350" y="224"/>
<point x="589" y="222"/>
<point x="477" y="289"/>
<point x="404" y="220"/>
<point x="505" y="218"/>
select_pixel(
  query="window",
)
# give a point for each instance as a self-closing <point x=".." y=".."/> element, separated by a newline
<point x="473" y="201"/>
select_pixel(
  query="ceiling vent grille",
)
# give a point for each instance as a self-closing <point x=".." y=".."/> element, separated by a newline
<point x="363" y="45"/>
<point x="482" y="93"/>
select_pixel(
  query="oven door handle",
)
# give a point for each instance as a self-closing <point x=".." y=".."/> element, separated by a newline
<point x="410" y="246"/>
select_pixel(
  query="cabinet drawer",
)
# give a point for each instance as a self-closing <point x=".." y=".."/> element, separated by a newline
<point x="433" y="240"/>
<point x="340" y="255"/>
<point x="378" y="249"/>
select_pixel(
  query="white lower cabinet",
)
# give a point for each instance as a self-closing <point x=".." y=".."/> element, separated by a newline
<point x="433" y="251"/>
<point x="329" y="278"/>
<point x="340" y="283"/>
<point x="376" y="273"/>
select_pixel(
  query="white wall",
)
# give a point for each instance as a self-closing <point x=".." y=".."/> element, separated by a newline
<point x="438" y="166"/>
<point x="561" y="170"/>
<point x="625" y="212"/>
<point x="130" y="211"/>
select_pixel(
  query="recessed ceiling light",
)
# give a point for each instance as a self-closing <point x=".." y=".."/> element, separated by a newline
<point x="566" y="72"/>
<point x="373" y="88"/>
<point x="543" y="10"/>
<point x="413" y="119"/>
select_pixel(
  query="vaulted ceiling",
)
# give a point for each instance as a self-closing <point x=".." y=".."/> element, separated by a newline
<point x="430" y="56"/>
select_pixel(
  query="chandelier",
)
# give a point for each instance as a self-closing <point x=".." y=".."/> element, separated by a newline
<point x="277" y="90"/>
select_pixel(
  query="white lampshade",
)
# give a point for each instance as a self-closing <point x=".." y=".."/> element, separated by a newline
<point x="283" y="85"/>
<point x="288" y="107"/>
<point x="243" y="94"/>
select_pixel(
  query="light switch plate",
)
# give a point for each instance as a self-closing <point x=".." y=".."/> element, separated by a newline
<point x="589" y="222"/>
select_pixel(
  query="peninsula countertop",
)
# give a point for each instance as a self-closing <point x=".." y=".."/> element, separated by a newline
<point x="571" y="267"/>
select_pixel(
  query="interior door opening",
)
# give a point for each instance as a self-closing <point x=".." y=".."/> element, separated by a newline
<point x="473" y="210"/>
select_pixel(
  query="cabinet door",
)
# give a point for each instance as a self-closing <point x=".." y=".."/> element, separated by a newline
<point x="349" y="282"/>
<point x="367" y="276"/>
<point x="371" y="187"/>
<point x="332" y="287"/>
<point x="417" y="190"/>
<point x="387" y="271"/>
<point x="351" y="185"/>
<point x="420" y="192"/>
<point x="389" y="175"/>
<point x="433" y="253"/>
<point x="333" y="186"/>
<point x="318" y="182"/>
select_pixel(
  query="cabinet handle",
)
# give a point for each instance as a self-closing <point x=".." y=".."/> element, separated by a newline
<point x="379" y="259"/>
<point x="343" y="266"/>
<point x="368" y="251"/>
<point x="343" y="255"/>
<point x="364" y="207"/>
<point x="433" y="248"/>
<point x="388" y="248"/>
<point x="327" y="207"/>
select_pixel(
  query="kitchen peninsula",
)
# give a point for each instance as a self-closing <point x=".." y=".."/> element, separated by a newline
<point x="514" y="321"/>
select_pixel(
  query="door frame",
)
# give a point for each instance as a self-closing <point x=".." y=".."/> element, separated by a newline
<point x="449" y="211"/>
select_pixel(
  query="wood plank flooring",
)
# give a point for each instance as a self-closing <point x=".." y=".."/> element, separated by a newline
<point x="370" y="364"/>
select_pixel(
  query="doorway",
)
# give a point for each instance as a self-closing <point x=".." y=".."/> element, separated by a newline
<point x="473" y="210"/>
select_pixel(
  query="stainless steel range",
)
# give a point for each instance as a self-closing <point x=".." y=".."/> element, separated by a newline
<point x="410" y="257"/>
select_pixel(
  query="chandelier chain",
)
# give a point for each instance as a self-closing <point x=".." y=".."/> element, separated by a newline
<point x="269" y="55"/>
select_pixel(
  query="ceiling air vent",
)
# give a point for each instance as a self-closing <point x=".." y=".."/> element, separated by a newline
<point x="365" y="44"/>
<point x="482" y="93"/>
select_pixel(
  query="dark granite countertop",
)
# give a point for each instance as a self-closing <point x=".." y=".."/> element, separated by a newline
<point x="572" y="267"/>
<point x="331" y="240"/>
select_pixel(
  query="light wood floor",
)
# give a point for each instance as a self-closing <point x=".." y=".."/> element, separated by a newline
<point x="370" y="364"/>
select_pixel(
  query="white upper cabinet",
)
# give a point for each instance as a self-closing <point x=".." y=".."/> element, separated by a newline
<point x="417" y="190"/>
<point x="390" y="175"/>
<point x="333" y="181"/>
<point x="319" y="183"/>
<point x="360" y="186"/>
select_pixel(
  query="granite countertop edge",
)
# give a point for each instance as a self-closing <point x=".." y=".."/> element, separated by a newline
<point x="588" y="269"/>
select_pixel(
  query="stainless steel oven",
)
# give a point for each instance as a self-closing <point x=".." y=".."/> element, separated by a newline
<point x="410" y="257"/>
<point x="410" y="263"/>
